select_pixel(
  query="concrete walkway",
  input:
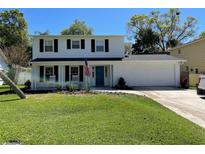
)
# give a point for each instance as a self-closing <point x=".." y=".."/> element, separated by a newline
<point x="183" y="102"/>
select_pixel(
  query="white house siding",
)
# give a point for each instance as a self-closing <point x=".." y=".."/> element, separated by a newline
<point x="147" y="73"/>
<point x="116" y="47"/>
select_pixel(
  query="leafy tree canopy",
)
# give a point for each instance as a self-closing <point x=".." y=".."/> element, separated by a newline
<point x="166" y="25"/>
<point x="13" y="28"/>
<point x="202" y="35"/>
<point x="145" y="41"/>
<point x="77" y="28"/>
<point x="47" y="32"/>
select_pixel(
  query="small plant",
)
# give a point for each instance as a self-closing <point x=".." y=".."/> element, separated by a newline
<point x="71" y="88"/>
<point x="67" y="87"/>
<point x="184" y="80"/>
<point x="58" y="87"/>
<point x="80" y="86"/>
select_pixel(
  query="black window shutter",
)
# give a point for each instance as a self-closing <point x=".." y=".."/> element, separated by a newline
<point x="81" y="73"/>
<point x="82" y="44"/>
<point x="106" y="45"/>
<point x="92" y="45"/>
<point x="41" y="45"/>
<point x="56" y="72"/>
<point x="41" y="73"/>
<point x="66" y="73"/>
<point x="55" y="45"/>
<point x="68" y="44"/>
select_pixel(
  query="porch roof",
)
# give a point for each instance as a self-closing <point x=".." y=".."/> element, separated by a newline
<point x="74" y="59"/>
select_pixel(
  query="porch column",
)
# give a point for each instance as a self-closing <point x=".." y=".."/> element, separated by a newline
<point x="34" y="76"/>
<point x="110" y="75"/>
<point x="62" y="75"/>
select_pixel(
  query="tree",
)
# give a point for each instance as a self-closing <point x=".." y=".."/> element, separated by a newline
<point x="47" y="32"/>
<point x="145" y="41"/>
<point x="77" y="28"/>
<point x="17" y="56"/>
<point x="202" y="35"/>
<point x="128" y="48"/>
<point x="13" y="28"/>
<point x="167" y="26"/>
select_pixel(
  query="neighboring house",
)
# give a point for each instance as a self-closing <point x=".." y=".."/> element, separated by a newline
<point x="60" y="60"/>
<point x="3" y="63"/>
<point x="194" y="54"/>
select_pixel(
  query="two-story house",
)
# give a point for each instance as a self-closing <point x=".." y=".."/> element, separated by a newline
<point x="60" y="60"/>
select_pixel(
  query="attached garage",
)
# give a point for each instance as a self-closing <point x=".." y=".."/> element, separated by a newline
<point x="148" y="70"/>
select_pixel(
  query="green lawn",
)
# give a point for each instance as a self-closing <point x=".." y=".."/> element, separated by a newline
<point x="5" y="88"/>
<point x="93" y="119"/>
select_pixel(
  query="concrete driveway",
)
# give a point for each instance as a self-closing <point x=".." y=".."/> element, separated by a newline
<point x="184" y="102"/>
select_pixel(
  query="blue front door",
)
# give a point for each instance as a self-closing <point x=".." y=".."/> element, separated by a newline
<point x="99" y="75"/>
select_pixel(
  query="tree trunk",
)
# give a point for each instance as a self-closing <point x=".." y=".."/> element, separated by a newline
<point x="12" y="85"/>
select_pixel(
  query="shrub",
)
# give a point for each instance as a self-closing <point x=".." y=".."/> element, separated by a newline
<point x="71" y="88"/>
<point x="58" y="86"/>
<point x="28" y="84"/>
<point x="67" y="87"/>
<point x="184" y="80"/>
<point x="122" y="84"/>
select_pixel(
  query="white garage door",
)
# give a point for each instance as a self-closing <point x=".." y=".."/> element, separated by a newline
<point x="146" y="73"/>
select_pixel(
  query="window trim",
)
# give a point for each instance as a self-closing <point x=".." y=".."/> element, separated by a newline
<point x="93" y="71"/>
<point x="71" y="73"/>
<point x="45" y="72"/>
<point x="79" y="44"/>
<point x="52" y="45"/>
<point x="97" y="45"/>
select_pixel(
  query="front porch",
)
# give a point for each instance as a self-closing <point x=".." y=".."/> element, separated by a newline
<point x="48" y="76"/>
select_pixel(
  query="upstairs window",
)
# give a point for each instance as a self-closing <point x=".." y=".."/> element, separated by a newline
<point x="100" y="46"/>
<point x="75" y="44"/>
<point x="48" y="46"/>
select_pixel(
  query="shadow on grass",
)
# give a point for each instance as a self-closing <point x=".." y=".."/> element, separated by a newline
<point x="9" y="100"/>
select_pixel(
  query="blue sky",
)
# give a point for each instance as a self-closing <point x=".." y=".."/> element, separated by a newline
<point x="103" y="21"/>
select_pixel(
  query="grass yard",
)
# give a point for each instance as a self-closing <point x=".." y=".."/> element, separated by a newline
<point x="6" y="88"/>
<point x="93" y="119"/>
